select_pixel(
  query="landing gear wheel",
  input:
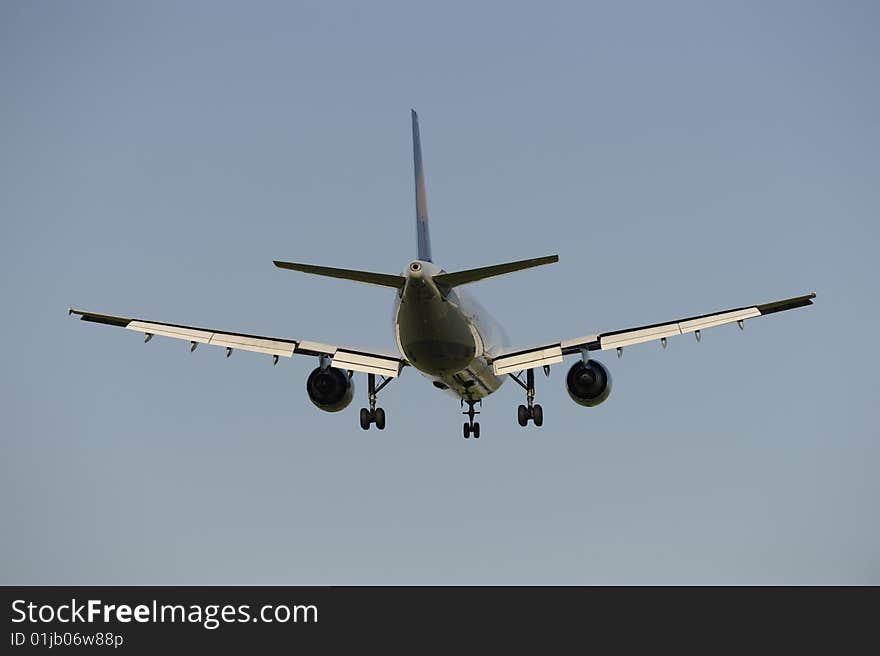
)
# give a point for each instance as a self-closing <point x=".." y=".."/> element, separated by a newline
<point x="522" y="415"/>
<point x="538" y="415"/>
<point x="380" y="418"/>
<point x="531" y="411"/>
<point x="471" y="427"/>
<point x="373" y="415"/>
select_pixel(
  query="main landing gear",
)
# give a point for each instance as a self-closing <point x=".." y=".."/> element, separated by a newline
<point x="374" y="415"/>
<point x="471" y="427"/>
<point x="531" y="411"/>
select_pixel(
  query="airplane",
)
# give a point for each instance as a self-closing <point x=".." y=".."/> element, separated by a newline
<point x="441" y="331"/>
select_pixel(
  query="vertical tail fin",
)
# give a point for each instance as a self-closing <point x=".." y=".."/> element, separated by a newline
<point x="424" y="238"/>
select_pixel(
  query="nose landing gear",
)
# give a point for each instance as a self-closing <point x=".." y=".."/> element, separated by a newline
<point x="532" y="410"/>
<point x="471" y="427"/>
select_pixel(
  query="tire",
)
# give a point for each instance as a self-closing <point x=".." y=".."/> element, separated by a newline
<point x="522" y="415"/>
<point x="538" y="415"/>
<point x="476" y="430"/>
<point x="365" y="418"/>
<point x="380" y="418"/>
<point x="466" y="430"/>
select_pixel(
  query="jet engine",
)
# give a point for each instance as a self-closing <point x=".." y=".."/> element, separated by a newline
<point x="588" y="384"/>
<point x="330" y="389"/>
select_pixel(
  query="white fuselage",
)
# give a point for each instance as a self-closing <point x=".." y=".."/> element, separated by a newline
<point x="446" y="334"/>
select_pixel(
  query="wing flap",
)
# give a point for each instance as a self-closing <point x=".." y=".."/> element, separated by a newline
<point x="629" y="337"/>
<point x="719" y="319"/>
<point x="307" y="347"/>
<point x="256" y="344"/>
<point x="176" y="332"/>
<point x="530" y="359"/>
<point x="370" y="364"/>
<point x="589" y="342"/>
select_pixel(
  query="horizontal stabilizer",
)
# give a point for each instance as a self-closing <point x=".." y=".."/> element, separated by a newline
<point x="472" y="275"/>
<point x="382" y="279"/>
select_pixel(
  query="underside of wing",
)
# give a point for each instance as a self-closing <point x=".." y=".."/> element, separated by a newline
<point x="547" y="354"/>
<point x="342" y="357"/>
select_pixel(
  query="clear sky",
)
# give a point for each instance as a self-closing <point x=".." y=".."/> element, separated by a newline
<point x="681" y="157"/>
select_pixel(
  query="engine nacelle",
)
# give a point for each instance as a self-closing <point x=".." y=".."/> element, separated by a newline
<point x="330" y="389"/>
<point x="588" y="384"/>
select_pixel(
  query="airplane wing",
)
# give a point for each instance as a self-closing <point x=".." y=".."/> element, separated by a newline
<point x="343" y="358"/>
<point x="511" y="361"/>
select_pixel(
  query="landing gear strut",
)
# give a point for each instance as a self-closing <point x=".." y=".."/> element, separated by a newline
<point x="374" y="415"/>
<point x="531" y="411"/>
<point x="471" y="427"/>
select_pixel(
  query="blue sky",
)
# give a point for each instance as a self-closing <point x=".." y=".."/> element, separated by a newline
<point x="680" y="157"/>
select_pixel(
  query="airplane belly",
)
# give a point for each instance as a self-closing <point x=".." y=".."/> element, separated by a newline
<point x="443" y="344"/>
<point x="435" y="338"/>
<point x="475" y="381"/>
